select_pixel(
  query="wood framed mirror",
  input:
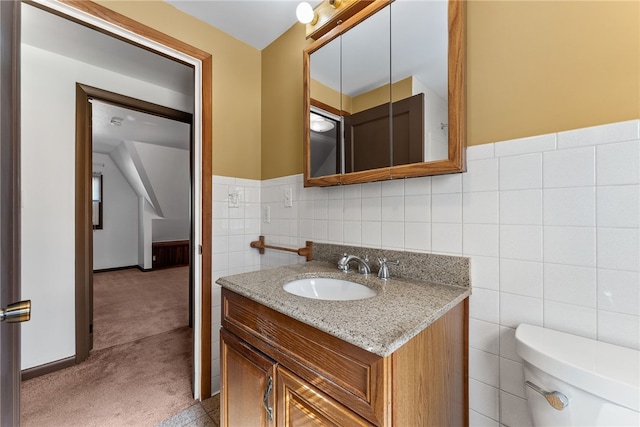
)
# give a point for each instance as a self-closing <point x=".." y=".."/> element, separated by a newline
<point x="384" y="94"/>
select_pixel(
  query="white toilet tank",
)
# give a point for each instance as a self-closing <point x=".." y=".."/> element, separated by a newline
<point x="601" y="381"/>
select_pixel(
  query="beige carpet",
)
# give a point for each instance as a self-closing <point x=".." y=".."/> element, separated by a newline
<point x="129" y="304"/>
<point x="139" y="382"/>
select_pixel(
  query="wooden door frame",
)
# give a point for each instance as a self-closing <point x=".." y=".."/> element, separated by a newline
<point x="83" y="207"/>
<point x="205" y="61"/>
<point x="10" y="207"/>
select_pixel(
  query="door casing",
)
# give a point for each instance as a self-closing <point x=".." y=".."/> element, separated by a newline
<point x="109" y="22"/>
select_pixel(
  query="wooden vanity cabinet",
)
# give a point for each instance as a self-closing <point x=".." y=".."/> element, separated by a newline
<point x="318" y="379"/>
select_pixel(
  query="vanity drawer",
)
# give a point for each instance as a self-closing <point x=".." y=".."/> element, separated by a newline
<point x="349" y="374"/>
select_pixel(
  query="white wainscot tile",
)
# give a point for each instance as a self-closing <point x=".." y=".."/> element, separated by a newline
<point x="619" y="291"/>
<point x="569" y="168"/>
<point x="603" y="134"/>
<point x="570" y="318"/>
<point x="393" y="209"/>
<point x="478" y="152"/>
<point x="414" y="186"/>
<point x="372" y="189"/>
<point x="335" y="193"/>
<point x="335" y="232"/>
<point x="394" y="187"/>
<point x="619" y="206"/>
<point x="570" y="284"/>
<point x="484" y="336"/>
<point x="446" y="208"/>
<point x="442" y="184"/>
<point x="236" y="243"/>
<point x="480" y="239"/>
<point x="514" y="411"/>
<point x="353" y="233"/>
<point x="521" y="207"/>
<point x="476" y="419"/>
<point x="485" y="272"/>
<point x="512" y="377"/>
<point x="305" y="209"/>
<point x="521" y="277"/>
<point x="484" y="367"/>
<point x="446" y="238"/>
<point x="517" y="309"/>
<point x="352" y="210"/>
<point x="219" y="179"/>
<point x="570" y="245"/>
<point x="220" y="210"/>
<point x="220" y="244"/>
<point x="220" y="261"/>
<point x="482" y="175"/>
<point x="522" y="242"/>
<point x="417" y="208"/>
<point x="371" y="233"/>
<point x="335" y="209"/>
<point x="570" y="206"/>
<point x="484" y="304"/>
<point x="534" y="144"/>
<point x="393" y="235"/>
<point x="618" y="249"/>
<point x="220" y="192"/>
<point x="320" y="209"/>
<point x="480" y="207"/>
<point x="372" y="209"/>
<point x="618" y="164"/>
<point x="353" y="191"/>
<point x="220" y="227"/>
<point x="417" y="236"/>
<point x="619" y="329"/>
<point x="508" y="344"/>
<point x="306" y="229"/>
<point x="320" y="229"/>
<point x="521" y="172"/>
<point x="484" y="399"/>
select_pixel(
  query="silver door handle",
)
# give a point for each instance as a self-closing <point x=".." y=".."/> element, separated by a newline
<point x="16" y="312"/>
<point x="265" y="399"/>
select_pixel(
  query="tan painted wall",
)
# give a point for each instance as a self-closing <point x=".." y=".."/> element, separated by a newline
<point x="236" y="83"/>
<point x="282" y="104"/>
<point x="534" y="67"/>
<point x="399" y="90"/>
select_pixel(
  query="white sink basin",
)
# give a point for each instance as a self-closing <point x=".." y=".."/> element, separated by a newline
<point x="329" y="289"/>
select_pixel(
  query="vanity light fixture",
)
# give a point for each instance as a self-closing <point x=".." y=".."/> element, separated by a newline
<point x="317" y="123"/>
<point x="305" y="13"/>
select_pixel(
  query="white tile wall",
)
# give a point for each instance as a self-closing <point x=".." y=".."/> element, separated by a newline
<point x="550" y="222"/>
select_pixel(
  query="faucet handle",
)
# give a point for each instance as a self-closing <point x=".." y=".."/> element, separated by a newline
<point x="383" y="273"/>
<point x="342" y="262"/>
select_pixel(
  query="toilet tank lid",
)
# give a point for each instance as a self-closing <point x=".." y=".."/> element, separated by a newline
<point x="606" y="370"/>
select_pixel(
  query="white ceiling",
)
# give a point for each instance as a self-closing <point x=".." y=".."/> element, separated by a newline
<point x="255" y="22"/>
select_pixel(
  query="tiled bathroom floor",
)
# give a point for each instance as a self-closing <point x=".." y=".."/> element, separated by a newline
<point x="202" y="414"/>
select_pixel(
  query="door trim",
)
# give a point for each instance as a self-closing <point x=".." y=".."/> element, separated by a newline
<point x="95" y="16"/>
<point x="83" y="208"/>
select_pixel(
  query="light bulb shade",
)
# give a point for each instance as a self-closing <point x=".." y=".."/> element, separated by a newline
<point x="305" y="13"/>
<point x="318" y="123"/>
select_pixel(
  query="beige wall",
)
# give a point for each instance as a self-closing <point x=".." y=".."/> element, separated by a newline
<point x="236" y="83"/>
<point x="282" y="104"/>
<point x="536" y="67"/>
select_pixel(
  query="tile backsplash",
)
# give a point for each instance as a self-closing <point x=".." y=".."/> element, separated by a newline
<point x="550" y="223"/>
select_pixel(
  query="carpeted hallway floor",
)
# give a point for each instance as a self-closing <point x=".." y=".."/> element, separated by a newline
<point x="140" y="371"/>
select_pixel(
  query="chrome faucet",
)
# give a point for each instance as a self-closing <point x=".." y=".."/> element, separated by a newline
<point x="363" y="266"/>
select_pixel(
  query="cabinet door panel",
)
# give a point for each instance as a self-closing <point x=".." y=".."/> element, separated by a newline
<point x="245" y="378"/>
<point x="302" y="405"/>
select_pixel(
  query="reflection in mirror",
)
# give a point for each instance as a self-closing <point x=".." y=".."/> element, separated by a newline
<point x="366" y="76"/>
<point x="326" y="150"/>
<point x="419" y="44"/>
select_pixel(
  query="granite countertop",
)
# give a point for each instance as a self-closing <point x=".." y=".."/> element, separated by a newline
<point x="401" y="309"/>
